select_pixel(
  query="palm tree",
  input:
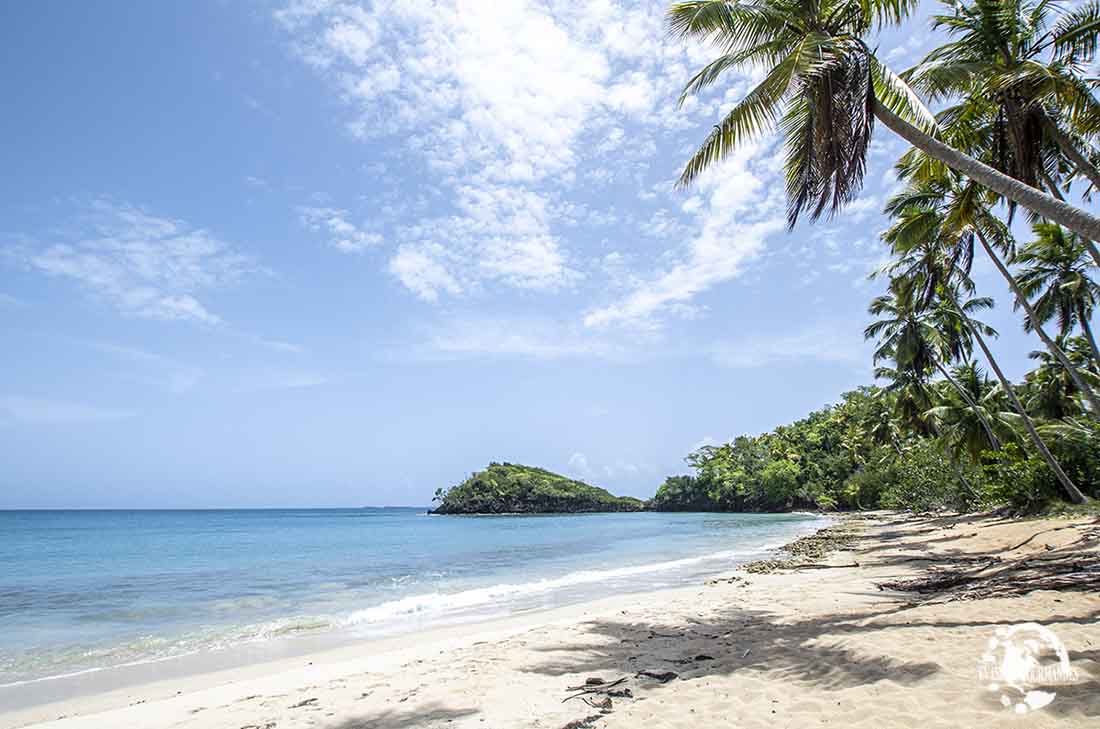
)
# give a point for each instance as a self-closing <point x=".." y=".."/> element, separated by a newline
<point x="920" y="339"/>
<point x="1007" y="62"/>
<point x="1048" y="392"/>
<point x="978" y="329"/>
<point x="824" y="88"/>
<point x="1056" y="271"/>
<point x="884" y="428"/>
<point x="936" y="243"/>
<point x="956" y="213"/>
<point x="912" y="398"/>
<point x="965" y="424"/>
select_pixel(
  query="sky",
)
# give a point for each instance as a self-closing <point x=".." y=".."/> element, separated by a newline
<point x="337" y="253"/>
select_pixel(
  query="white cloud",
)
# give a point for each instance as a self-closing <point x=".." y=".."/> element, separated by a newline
<point x="343" y="235"/>
<point x="57" y="412"/>
<point x="421" y="268"/>
<point x="501" y="103"/>
<point x="145" y="265"/>
<point x="742" y="207"/>
<point x="500" y="234"/>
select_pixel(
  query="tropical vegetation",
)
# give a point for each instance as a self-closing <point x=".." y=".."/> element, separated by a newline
<point x="1015" y="127"/>
<point x="509" y="488"/>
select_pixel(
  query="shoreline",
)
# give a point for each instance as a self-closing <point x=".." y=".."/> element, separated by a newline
<point x="739" y="645"/>
<point x="118" y="685"/>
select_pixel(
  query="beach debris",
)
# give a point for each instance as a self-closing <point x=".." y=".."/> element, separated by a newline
<point x="692" y="659"/>
<point x="594" y="685"/>
<point x="268" y="725"/>
<point x="996" y="577"/>
<point x="806" y="551"/>
<point x="305" y="702"/>
<point x="659" y="676"/>
<point x="604" y="705"/>
<point x="734" y="580"/>
<point x="585" y="723"/>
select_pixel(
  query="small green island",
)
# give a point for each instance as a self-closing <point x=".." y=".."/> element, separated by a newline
<point x="511" y="488"/>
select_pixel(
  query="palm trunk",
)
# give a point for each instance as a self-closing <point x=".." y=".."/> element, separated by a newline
<point x="1083" y="165"/>
<point x="1075" y="219"/>
<point x="1051" y="346"/>
<point x="1069" y="149"/>
<point x="1087" y="329"/>
<point x="970" y="402"/>
<point x="1051" y="187"/>
<point x="1071" y="489"/>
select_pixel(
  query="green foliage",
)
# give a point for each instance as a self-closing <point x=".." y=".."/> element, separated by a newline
<point x="1014" y="93"/>
<point x="505" y="488"/>
<point x="1018" y="479"/>
<point x="924" y="478"/>
<point x="809" y="464"/>
<point x="683" y="493"/>
<point x="859" y="455"/>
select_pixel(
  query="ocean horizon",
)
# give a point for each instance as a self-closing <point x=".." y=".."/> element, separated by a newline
<point x="89" y="591"/>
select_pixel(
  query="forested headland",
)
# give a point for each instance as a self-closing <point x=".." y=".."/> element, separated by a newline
<point x="509" y="488"/>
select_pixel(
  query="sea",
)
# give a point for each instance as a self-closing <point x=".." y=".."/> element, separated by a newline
<point x="87" y="592"/>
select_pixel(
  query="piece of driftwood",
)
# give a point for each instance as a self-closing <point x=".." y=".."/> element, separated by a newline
<point x="1051" y="571"/>
<point x="660" y="676"/>
<point x="597" y="686"/>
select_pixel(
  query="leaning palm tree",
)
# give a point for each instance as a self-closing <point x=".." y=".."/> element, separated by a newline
<point x="912" y="396"/>
<point x="1048" y="392"/>
<point x="954" y="317"/>
<point x="955" y="213"/>
<point x="919" y="339"/>
<point x="965" y="425"/>
<point x="980" y="331"/>
<point x="1056" y="271"/>
<point x="824" y="88"/>
<point x="928" y="271"/>
<point x="1023" y="65"/>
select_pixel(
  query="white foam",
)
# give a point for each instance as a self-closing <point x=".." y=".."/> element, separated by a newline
<point x="442" y="602"/>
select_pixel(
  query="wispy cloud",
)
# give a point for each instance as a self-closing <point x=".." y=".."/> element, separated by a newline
<point x="835" y="342"/>
<point x="147" y="266"/>
<point x="529" y="337"/>
<point x="513" y="108"/>
<point x="343" y="235"/>
<point x="57" y="412"/>
<point x="736" y="208"/>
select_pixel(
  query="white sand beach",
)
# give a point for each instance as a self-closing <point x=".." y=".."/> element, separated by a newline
<point x="811" y="647"/>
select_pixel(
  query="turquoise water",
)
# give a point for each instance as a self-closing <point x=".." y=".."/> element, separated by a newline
<point x="85" y="591"/>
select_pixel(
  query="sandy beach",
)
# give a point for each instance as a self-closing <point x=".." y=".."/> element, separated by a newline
<point x="824" y="645"/>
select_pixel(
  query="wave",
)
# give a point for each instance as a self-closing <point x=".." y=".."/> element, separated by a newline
<point x="443" y="602"/>
<point x="391" y="614"/>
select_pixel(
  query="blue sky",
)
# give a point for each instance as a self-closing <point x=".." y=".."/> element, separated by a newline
<point x="339" y="253"/>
